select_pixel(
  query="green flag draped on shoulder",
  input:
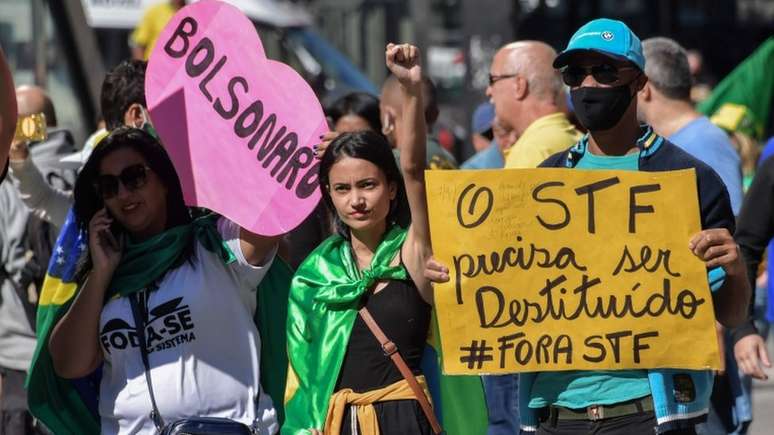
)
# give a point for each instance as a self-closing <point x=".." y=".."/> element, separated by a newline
<point x="323" y="305"/>
<point x="322" y="309"/>
<point x="69" y="406"/>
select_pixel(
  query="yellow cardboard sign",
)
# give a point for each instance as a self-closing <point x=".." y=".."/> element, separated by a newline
<point x="555" y="269"/>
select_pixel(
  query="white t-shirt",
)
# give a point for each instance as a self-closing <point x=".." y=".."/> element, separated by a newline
<point x="204" y="349"/>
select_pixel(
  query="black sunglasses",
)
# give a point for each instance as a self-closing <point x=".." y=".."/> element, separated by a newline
<point x="496" y="78"/>
<point x="606" y="74"/>
<point x="132" y="177"/>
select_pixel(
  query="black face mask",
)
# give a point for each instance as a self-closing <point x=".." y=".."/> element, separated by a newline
<point x="600" y="109"/>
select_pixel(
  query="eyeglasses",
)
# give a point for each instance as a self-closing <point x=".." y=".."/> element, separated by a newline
<point x="132" y="177"/>
<point x="496" y="78"/>
<point x="606" y="74"/>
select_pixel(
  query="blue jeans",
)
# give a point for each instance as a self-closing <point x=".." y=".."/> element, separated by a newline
<point x="502" y="401"/>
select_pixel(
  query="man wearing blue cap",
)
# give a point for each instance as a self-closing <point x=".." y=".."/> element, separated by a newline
<point x="604" y="66"/>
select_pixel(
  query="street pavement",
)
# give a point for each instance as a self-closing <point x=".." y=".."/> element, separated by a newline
<point x="763" y="402"/>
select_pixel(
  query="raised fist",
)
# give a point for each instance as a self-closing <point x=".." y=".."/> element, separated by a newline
<point x="404" y="62"/>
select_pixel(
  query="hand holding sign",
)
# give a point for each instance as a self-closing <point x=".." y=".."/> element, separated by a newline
<point x="716" y="247"/>
<point x="325" y="141"/>
<point x="239" y="127"/>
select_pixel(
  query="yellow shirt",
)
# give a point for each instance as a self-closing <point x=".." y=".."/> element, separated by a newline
<point x="151" y="25"/>
<point x="543" y="138"/>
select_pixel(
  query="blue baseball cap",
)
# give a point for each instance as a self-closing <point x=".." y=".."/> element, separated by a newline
<point x="608" y="37"/>
<point x="483" y="117"/>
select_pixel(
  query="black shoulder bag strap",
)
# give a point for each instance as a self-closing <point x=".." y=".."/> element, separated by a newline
<point x="139" y="325"/>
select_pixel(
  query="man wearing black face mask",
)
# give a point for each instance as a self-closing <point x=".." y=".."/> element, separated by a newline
<point x="604" y="67"/>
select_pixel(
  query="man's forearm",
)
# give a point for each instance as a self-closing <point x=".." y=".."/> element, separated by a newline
<point x="732" y="299"/>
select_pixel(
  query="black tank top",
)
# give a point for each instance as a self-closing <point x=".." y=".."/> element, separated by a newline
<point x="405" y="318"/>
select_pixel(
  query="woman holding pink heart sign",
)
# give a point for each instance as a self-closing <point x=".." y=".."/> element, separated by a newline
<point x="165" y="302"/>
<point x="359" y="310"/>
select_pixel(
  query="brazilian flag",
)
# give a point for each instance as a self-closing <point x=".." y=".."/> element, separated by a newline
<point x="749" y="85"/>
<point x="64" y="406"/>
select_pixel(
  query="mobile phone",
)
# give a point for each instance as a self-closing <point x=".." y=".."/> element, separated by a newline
<point x="108" y="239"/>
<point x="31" y="128"/>
<point x="111" y="238"/>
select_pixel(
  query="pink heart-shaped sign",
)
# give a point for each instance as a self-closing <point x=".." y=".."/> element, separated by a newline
<point x="239" y="127"/>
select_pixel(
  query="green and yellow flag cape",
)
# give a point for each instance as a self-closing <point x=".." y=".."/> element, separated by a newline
<point x="322" y="309"/>
<point x="750" y="85"/>
<point x="69" y="406"/>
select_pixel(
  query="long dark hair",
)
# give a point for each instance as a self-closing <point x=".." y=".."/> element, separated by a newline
<point x="373" y="147"/>
<point x="88" y="202"/>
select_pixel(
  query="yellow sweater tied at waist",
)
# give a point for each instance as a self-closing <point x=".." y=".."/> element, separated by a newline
<point x="363" y="404"/>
